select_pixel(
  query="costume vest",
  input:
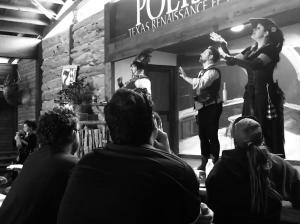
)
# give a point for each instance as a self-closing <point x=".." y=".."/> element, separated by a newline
<point x="211" y="93"/>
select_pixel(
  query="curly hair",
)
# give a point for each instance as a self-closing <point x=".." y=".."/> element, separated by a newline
<point x="30" y="124"/>
<point x="56" y="128"/>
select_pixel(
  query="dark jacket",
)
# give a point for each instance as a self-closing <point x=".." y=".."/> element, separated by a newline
<point x="129" y="184"/>
<point x="228" y="189"/>
<point x="36" y="193"/>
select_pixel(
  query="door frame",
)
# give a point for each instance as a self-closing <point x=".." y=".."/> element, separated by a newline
<point x="173" y="97"/>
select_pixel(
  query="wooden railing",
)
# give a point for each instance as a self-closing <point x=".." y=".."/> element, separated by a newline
<point x="92" y="138"/>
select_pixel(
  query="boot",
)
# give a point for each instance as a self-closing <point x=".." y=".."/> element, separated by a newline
<point x="203" y="163"/>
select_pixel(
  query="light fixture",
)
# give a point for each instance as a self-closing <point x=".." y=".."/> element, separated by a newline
<point x="4" y="60"/>
<point x="238" y="28"/>
<point x="15" y="61"/>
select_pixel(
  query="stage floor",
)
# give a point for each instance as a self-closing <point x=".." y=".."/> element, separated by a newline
<point x="191" y="146"/>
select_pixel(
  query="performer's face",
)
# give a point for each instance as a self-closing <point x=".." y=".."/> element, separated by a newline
<point x="26" y="128"/>
<point x="133" y="69"/>
<point x="259" y="32"/>
<point x="205" y="56"/>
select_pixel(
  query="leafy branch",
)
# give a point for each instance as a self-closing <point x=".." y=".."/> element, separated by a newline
<point x="76" y="93"/>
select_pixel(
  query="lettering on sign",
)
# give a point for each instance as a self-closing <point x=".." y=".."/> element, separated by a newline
<point x="168" y="12"/>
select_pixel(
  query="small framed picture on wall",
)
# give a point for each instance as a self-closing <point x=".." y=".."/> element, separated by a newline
<point x="69" y="74"/>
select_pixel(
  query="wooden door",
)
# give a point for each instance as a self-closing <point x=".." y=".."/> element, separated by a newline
<point x="164" y="94"/>
<point x="8" y="124"/>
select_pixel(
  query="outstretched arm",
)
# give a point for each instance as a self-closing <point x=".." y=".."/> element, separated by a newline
<point x="257" y="63"/>
<point x="223" y="48"/>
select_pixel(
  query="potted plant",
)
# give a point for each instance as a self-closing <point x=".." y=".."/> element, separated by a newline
<point x="78" y="94"/>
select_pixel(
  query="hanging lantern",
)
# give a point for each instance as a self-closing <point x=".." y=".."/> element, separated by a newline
<point x="10" y="90"/>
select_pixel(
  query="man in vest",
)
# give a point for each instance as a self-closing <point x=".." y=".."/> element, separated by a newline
<point x="208" y="103"/>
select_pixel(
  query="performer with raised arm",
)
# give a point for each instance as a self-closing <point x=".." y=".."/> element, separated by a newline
<point x="262" y="98"/>
<point x="208" y="103"/>
<point x="139" y="78"/>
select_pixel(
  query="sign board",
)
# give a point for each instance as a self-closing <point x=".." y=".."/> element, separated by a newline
<point x="135" y="17"/>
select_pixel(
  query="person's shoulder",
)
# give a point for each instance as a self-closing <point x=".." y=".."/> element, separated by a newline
<point x="171" y="159"/>
<point x="62" y="160"/>
<point x="213" y="70"/>
<point x="94" y="155"/>
<point x="143" y="76"/>
<point x="269" y="50"/>
<point x="279" y="162"/>
<point x="70" y="158"/>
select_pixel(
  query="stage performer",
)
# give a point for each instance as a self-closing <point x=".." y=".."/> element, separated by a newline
<point x="262" y="98"/>
<point x="208" y="103"/>
<point x="139" y="78"/>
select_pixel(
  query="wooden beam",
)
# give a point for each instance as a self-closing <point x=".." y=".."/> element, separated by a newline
<point x="18" y="47"/>
<point x="23" y="20"/>
<point x="107" y="11"/>
<point x="59" y="2"/>
<point x="225" y="16"/>
<point x="20" y="28"/>
<point x="55" y="23"/>
<point x="21" y="8"/>
<point x="50" y="14"/>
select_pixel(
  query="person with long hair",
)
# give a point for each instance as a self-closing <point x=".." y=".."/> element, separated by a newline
<point x="262" y="98"/>
<point x="248" y="183"/>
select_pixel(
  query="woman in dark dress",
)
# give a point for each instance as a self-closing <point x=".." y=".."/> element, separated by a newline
<point x="139" y="78"/>
<point x="26" y="143"/>
<point x="262" y="98"/>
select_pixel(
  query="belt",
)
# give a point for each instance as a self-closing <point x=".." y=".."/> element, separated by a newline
<point x="199" y="106"/>
<point x="212" y="102"/>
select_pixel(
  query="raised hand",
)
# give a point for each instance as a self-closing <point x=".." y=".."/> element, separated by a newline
<point x="217" y="38"/>
<point x="181" y="72"/>
<point x="120" y="82"/>
<point x="162" y="141"/>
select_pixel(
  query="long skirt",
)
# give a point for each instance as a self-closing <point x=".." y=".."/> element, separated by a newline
<point x="256" y="104"/>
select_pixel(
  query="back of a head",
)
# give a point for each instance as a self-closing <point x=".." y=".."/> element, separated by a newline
<point x="245" y="131"/>
<point x="56" y="128"/>
<point x="248" y="137"/>
<point x="129" y="117"/>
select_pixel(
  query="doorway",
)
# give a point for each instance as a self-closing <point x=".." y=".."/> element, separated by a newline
<point x="164" y="94"/>
<point x="8" y="126"/>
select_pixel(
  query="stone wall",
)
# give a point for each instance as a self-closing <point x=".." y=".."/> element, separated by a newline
<point x="29" y="89"/>
<point x="55" y="56"/>
<point x="82" y="45"/>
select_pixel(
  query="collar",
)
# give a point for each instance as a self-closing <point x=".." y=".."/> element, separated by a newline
<point x="115" y="147"/>
<point x="208" y="65"/>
